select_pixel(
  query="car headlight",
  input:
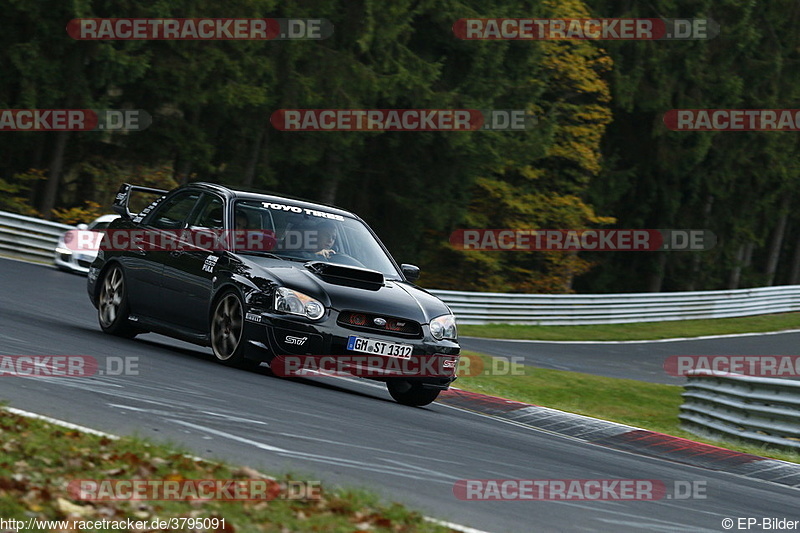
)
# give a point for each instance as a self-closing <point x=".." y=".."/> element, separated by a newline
<point x="444" y="327"/>
<point x="297" y="303"/>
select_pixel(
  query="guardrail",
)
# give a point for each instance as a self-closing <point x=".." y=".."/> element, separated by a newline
<point x="580" y="309"/>
<point x="29" y="237"/>
<point x="762" y="410"/>
<point x="35" y="238"/>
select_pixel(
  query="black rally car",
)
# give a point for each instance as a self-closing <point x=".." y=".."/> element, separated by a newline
<point x="318" y="282"/>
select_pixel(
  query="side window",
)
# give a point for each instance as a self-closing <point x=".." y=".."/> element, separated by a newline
<point x="210" y="215"/>
<point x="172" y="213"/>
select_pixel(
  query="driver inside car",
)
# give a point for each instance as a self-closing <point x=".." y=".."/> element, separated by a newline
<point x="326" y="238"/>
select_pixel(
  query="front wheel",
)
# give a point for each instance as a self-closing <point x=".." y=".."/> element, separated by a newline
<point x="412" y="394"/>
<point x="112" y="305"/>
<point x="227" y="325"/>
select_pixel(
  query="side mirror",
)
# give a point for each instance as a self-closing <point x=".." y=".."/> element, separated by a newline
<point x="411" y="272"/>
<point x="82" y="226"/>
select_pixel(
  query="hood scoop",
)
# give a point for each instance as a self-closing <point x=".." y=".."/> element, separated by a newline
<point x="362" y="278"/>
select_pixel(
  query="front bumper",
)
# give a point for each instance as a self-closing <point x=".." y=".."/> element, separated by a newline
<point x="278" y="339"/>
<point x="68" y="260"/>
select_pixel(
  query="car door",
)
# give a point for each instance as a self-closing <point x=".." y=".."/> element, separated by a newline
<point x="145" y="264"/>
<point x="189" y="271"/>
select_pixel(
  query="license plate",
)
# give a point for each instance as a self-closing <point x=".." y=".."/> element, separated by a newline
<point x="391" y="349"/>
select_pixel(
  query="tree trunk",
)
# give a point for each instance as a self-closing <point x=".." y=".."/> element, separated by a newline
<point x="331" y="185"/>
<point x="72" y="100"/>
<point x="265" y="146"/>
<point x="185" y="161"/>
<point x="36" y="189"/>
<point x="183" y="171"/>
<point x="696" y="257"/>
<point x="54" y="176"/>
<point x="570" y="278"/>
<point x="694" y="272"/>
<point x="774" y="252"/>
<point x="736" y="271"/>
<point x="38" y="152"/>
<point x="656" y="279"/>
<point x="252" y="163"/>
<point x="794" y="274"/>
<point x="748" y="255"/>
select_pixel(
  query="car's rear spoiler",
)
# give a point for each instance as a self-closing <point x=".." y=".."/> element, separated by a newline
<point x="120" y="205"/>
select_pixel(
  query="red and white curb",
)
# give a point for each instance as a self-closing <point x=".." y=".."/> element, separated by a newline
<point x="625" y="438"/>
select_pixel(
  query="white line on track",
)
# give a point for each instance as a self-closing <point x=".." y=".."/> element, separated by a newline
<point x="451" y="525"/>
<point x="62" y="423"/>
<point x="90" y="431"/>
<point x="676" y="339"/>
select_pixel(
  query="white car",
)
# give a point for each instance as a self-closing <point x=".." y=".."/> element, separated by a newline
<point x="80" y="260"/>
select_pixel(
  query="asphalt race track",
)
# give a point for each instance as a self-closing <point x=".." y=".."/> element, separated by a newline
<point x="640" y="360"/>
<point x="344" y="432"/>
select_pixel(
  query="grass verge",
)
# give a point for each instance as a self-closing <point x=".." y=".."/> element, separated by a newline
<point x="650" y="406"/>
<point x="38" y="460"/>
<point x="637" y="331"/>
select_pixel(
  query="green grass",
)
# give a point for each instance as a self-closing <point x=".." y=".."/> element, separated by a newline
<point x="637" y="331"/>
<point x="38" y="460"/>
<point x="650" y="406"/>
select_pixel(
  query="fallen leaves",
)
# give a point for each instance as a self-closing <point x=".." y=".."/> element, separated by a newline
<point x="39" y="462"/>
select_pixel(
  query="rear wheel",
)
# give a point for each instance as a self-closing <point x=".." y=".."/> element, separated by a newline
<point x="112" y="305"/>
<point x="411" y="394"/>
<point x="227" y="325"/>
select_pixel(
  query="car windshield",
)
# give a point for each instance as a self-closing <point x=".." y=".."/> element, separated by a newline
<point x="303" y="234"/>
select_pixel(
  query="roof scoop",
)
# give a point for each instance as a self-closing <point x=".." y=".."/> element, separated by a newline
<point x="346" y="275"/>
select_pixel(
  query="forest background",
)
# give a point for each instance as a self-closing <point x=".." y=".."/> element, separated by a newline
<point x="600" y="156"/>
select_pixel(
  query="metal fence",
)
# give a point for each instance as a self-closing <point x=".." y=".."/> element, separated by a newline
<point x="578" y="309"/>
<point x="29" y="237"/>
<point x="35" y="238"/>
<point x="762" y="410"/>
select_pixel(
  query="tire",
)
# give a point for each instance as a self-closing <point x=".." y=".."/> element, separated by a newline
<point x="112" y="305"/>
<point x="226" y="329"/>
<point x="414" y="395"/>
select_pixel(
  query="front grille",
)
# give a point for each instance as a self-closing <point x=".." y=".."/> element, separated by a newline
<point x="399" y="327"/>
